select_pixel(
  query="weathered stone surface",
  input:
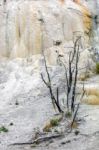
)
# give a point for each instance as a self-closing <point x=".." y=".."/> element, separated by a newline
<point x="28" y="27"/>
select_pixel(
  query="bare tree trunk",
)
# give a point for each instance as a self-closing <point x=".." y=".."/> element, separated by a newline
<point x="55" y="101"/>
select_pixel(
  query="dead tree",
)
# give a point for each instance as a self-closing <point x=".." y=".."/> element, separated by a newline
<point x="71" y="74"/>
<point x="55" y="101"/>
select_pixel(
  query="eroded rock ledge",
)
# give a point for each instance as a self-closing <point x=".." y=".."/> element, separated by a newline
<point x="28" y="27"/>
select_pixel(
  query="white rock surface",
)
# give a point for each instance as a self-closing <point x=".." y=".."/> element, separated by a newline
<point x="27" y="27"/>
<point x="20" y="82"/>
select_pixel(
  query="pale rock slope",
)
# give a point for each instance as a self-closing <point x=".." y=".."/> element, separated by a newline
<point x="28" y="27"/>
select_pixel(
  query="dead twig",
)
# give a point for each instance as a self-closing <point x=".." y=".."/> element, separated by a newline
<point x="40" y="140"/>
<point x="75" y="114"/>
<point x="55" y="101"/>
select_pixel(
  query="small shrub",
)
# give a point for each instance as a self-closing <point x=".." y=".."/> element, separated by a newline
<point x="68" y="114"/>
<point x="3" y="129"/>
<point x="54" y="122"/>
<point x="97" y="68"/>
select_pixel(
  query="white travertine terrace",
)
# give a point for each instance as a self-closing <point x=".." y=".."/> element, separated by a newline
<point x="29" y="26"/>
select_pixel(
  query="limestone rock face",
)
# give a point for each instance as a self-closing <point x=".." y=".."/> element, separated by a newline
<point x="93" y="6"/>
<point x="28" y="27"/>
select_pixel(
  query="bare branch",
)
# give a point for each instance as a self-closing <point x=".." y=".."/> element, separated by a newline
<point x="75" y="114"/>
<point x="40" y="139"/>
<point x="55" y="101"/>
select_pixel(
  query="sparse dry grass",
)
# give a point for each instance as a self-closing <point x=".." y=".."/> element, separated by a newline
<point x="91" y="100"/>
<point x="92" y="91"/>
<point x="91" y="96"/>
<point x="52" y="123"/>
<point x="47" y="127"/>
<point x="84" y="77"/>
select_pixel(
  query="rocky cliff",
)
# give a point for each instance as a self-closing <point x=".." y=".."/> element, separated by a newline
<point x="29" y="26"/>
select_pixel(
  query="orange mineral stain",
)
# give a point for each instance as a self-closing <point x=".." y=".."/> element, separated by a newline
<point x="77" y="1"/>
<point x="62" y="1"/>
<point x="86" y="16"/>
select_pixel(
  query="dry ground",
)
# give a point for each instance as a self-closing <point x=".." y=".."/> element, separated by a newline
<point x="24" y="101"/>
